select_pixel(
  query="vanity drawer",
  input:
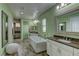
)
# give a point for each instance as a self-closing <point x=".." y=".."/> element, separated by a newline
<point x="66" y="53"/>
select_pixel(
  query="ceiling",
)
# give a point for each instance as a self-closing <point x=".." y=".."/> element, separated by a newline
<point x="29" y="10"/>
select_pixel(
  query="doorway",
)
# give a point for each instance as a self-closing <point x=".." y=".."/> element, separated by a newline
<point x="17" y="29"/>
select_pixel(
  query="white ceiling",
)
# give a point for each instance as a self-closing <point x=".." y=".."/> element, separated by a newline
<point x="31" y="10"/>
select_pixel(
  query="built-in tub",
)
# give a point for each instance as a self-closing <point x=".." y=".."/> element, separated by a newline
<point x="38" y="43"/>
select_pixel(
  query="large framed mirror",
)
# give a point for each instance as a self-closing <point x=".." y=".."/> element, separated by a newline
<point x="62" y="27"/>
<point x="68" y="24"/>
<point x="4" y="18"/>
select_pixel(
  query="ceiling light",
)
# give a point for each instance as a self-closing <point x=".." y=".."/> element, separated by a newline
<point x="21" y="12"/>
<point x="36" y="21"/>
<point x="35" y="14"/>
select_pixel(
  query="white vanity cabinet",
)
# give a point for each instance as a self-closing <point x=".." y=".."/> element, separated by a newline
<point x="76" y="52"/>
<point x="49" y="47"/>
<point x="52" y="48"/>
<point x="66" y="50"/>
<point x="55" y="48"/>
<point x="58" y="49"/>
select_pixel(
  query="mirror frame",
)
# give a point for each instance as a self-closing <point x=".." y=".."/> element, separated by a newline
<point x="4" y="32"/>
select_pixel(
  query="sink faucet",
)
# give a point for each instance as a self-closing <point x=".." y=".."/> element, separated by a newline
<point x="66" y="38"/>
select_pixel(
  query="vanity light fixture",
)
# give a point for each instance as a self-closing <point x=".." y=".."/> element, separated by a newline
<point x="22" y="10"/>
<point x="62" y="4"/>
<point x="58" y="7"/>
<point x="61" y="24"/>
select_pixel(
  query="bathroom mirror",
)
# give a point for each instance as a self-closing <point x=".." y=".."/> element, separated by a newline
<point x="68" y="22"/>
<point x="73" y="24"/>
<point x="4" y="28"/>
<point x="62" y="27"/>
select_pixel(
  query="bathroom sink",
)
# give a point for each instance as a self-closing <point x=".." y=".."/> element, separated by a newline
<point x="65" y="41"/>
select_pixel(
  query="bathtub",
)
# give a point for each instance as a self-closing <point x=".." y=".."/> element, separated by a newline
<point x="38" y="43"/>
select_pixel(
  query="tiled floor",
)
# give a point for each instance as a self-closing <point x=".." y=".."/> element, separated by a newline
<point x="28" y="50"/>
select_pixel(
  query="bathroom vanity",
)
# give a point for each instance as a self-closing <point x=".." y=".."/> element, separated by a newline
<point x="63" y="44"/>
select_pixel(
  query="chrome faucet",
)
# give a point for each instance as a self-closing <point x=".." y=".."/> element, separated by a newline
<point x="66" y="38"/>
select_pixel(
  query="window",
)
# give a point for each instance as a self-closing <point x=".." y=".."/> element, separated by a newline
<point x="44" y="25"/>
<point x="17" y="24"/>
<point x="62" y="26"/>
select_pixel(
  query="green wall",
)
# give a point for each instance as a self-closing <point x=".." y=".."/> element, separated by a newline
<point x="50" y="22"/>
<point x="6" y="9"/>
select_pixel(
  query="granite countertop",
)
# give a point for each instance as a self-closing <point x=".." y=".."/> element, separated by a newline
<point x="73" y="43"/>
